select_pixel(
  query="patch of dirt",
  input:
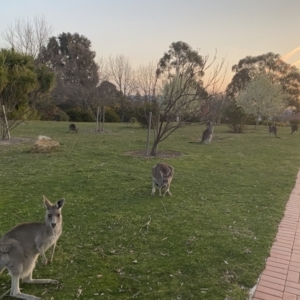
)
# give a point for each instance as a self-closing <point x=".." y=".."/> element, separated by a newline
<point x="14" y="141"/>
<point x="161" y="154"/>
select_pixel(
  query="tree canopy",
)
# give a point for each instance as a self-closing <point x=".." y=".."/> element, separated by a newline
<point x="179" y="93"/>
<point x="71" y="58"/>
<point x="262" y="98"/>
<point x="22" y="83"/>
<point x="270" y="64"/>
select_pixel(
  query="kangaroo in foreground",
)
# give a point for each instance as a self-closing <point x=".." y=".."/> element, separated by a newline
<point x="273" y="129"/>
<point x="72" y="128"/>
<point x="162" y="175"/>
<point x="207" y="134"/>
<point x="294" y="128"/>
<point x="21" y="246"/>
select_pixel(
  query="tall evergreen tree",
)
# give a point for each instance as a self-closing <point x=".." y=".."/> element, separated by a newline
<point x="71" y="58"/>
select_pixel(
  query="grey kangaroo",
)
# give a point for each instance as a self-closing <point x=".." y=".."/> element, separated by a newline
<point x="162" y="175"/>
<point x="72" y="128"/>
<point x="273" y="129"/>
<point x="21" y="246"/>
<point x="294" y="128"/>
<point x="207" y="134"/>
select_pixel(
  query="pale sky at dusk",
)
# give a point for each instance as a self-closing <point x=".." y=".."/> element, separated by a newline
<point x="142" y="30"/>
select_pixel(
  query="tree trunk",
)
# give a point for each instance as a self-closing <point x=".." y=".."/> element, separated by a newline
<point x="156" y="138"/>
<point x="256" y="124"/>
<point x="97" y="119"/>
<point x="154" y="148"/>
<point x="5" y="132"/>
<point x="103" y="117"/>
<point x="148" y="135"/>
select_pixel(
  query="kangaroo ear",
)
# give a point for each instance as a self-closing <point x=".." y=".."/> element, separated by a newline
<point x="47" y="203"/>
<point x="60" y="203"/>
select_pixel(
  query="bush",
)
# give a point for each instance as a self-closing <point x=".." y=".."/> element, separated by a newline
<point x="294" y="122"/>
<point x="111" y="115"/>
<point x="268" y="122"/>
<point x="236" y="118"/>
<point x="79" y="115"/>
<point x="142" y="114"/>
<point x="50" y="112"/>
<point x="23" y="112"/>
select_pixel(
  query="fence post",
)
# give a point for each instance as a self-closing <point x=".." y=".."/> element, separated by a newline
<point x="148" y="135"/>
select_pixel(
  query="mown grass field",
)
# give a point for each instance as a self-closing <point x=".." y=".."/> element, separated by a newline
<point x="208" y="241"/>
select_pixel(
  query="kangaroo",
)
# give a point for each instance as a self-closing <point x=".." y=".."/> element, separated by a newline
<point x="207" y="134"/>
<point x="273" y="129"/>
<point x="162" y="175"/>
<point x="294" y="128"/>
<point x="21" y="246"/>
<point x="72" y="128"/>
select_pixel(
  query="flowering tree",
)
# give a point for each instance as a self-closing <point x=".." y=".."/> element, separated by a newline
<point x="262" y="98"/>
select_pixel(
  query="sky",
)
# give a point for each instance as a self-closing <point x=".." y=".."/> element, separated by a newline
<point x="142" y="30"/>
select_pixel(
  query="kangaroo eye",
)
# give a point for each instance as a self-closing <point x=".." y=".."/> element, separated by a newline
<point x="58" y="215"/>
<point x="49" y="216"/>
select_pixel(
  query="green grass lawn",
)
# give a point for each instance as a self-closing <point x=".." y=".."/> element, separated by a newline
<point x="208" y="241"/>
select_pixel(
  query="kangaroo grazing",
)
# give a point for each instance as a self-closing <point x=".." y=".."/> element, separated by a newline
<point x="207" y="134"/>
<point x="21" y="246"/>
<point x="72" y="128"/>
<point x="273" y="129"/>
<point x="162" y="175"/>
<point x="294" y="128"/>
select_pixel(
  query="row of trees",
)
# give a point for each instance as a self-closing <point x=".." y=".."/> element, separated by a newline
<point x="177" y="90"/>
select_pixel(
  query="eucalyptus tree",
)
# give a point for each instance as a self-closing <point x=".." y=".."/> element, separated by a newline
<point x="180" y="93"/>
<point x="22" y="84"/>
<point x="270" y="64"/>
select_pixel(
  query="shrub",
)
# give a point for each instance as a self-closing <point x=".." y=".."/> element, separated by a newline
<point x="294" y="122"/>
<point x="50" y="112"/>
<point x="111" y="115"/>
<point x="78" y="115"/>
<point x="236" y="117"/>
<point x="142" y="113"/>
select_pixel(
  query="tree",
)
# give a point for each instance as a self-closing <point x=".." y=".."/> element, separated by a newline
<point x="180" y="95"/>
<point x="261" y="98"/>
<point x="121" y="73"/>
<point x="71" y="58"/>
<point x="274" y="68"/>
<point x="22" y="84"/>
<point x="28" y="36"/>
<point x="107" y="96"/>
<point x="146" y="81"/>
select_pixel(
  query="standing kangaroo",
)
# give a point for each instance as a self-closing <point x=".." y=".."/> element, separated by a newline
<point x="72" y="128"/>
<point x="21" y="246"/>
<point x="162" y="175"/>
<point x="273" y="129"/>
<point x="207" y="134"/>
<point x="294" y="128"/>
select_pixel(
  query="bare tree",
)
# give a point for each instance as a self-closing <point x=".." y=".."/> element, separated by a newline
<point x="102" y="71"/>
<point x="28" y="36"/>
<point x="121" y="73"/>
<point x="146" y="80"/>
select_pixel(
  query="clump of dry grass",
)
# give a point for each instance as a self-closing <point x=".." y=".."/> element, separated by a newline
<point x="44" y="145"/>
